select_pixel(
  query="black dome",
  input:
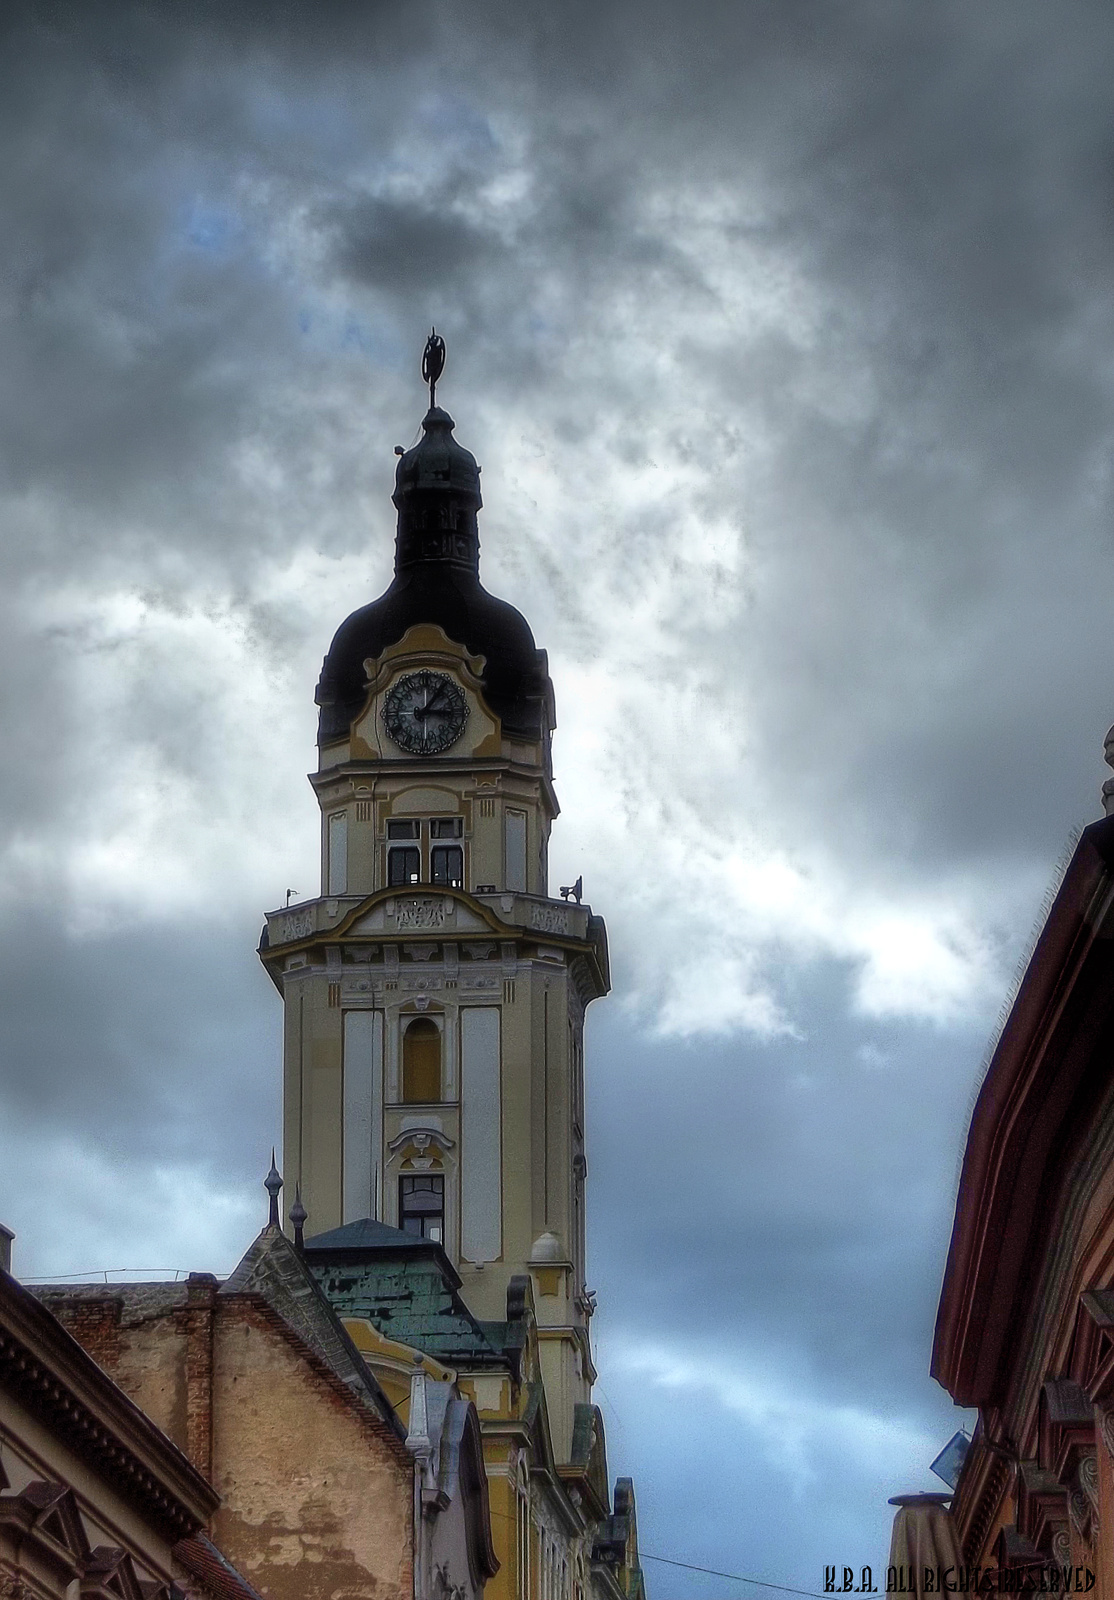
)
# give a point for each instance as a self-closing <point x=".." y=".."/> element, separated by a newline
<point x="437" y="492"/>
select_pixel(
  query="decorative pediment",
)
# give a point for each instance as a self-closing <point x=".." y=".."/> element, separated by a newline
<point x="1092" y="1352"/>
<point x="47" y="1515"/>
<point x="426" y="912"/>
<point x="1042" y="1506"/>
<point x="420" y="1147"/>
<point x="1013" y="1549"/>
<point x="153" y="1590"/>
<point x="422" y="1138"/>
<point x="1065" y="1427"/>
<point x="110" y="1575"/>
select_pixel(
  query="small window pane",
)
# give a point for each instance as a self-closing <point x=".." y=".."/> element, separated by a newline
<point x="402" y="830"/>
<point x="404" y="866"/>
<point x="447" y="866"/>
<point x="447" y="828"/>
<point x="421" y="1206"/>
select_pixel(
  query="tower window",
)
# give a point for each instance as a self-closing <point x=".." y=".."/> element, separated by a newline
<point x="404" y="866"/>
<point x="421" y="1206"/>
<point x="446" y="828"/>
<point x="447" y="865"/>
<point x="421" y="1062"/>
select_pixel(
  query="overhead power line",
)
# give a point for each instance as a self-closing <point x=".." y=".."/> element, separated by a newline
<point x="735" y="1577"/>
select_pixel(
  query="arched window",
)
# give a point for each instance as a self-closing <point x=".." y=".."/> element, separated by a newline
<point x="421" y="1062"/>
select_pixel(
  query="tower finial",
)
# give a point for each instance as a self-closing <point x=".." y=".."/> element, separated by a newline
<point x="433" y="363"/>
<point x="273" y="1185"/>
<point x="298" y="1215"/>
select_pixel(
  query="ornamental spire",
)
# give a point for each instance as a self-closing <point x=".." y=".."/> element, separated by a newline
<point x="437" y="487"/>
<point x="273" y="1185"/>
<point x="433" y="363"/>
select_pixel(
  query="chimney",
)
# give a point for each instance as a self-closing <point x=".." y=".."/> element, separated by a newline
<point x="6" y="1237"/>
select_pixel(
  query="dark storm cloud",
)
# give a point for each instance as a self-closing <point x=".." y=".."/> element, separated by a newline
<point x="116" y="1018"/>
<point x="387" y="244"/>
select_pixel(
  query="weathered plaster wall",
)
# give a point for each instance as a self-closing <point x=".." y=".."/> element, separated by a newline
<point x="316" y="1504"/>
<point x="147" y="1358"/>
<point x="317" y="1493"/>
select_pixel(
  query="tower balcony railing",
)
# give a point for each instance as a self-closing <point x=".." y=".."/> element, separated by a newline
<point x="428" y="908"/>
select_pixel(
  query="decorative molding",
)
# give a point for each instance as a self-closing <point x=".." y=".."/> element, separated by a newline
<point x="480" y="952"/>
<point x="298" y="925"/>
<point x="420" y="952"/>
<point x="1088" y="1475"/>
<point x="549" y="919"/>
<point x="1061" y="1545"/>
<point x="358" y="986"/>
<point x="1105" y="1420"/>
<point x="423" y="911"/>
<point x="1079" y="1512"/>
<point x="421" y="1139"/>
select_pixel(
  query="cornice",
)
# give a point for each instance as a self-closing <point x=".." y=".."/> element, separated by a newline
<point x="588" y="954"/>
<point x="50" y="1374"/>
<point x="1041" y="1084"/>
<point x="447" y="769"/>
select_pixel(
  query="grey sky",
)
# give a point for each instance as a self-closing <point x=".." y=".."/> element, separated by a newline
<point x="783" y="334"/>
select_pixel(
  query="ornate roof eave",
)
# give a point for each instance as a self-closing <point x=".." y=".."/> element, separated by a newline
<point x="592" y="949"/>
<point x="577" y="1478"/>
<point x="983" y="1481"/>
<point x="1048" y="1068"/>
<point x="407" y="767"/>
<point x="46" y="1369"/>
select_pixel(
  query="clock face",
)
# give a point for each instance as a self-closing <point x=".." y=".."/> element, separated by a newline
<point x="425" y="712"/>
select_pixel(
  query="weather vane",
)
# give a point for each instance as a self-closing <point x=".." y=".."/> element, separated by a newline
<point x="433" y="363"/>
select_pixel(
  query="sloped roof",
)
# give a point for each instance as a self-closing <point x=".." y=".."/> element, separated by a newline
<point x="42" y="1363"/>
<point x="203" y="1561"/>
<point x="275" y="1271"/>
<point x="367" y="1234"/>
<point x="407" y="1288"/>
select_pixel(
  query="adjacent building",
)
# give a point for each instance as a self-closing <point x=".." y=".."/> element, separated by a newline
<point x="1025" y="1331"/>
<point x="96" y="1502"/>
<point x="320" y="1490"/>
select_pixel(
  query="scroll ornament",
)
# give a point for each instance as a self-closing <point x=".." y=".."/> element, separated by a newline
<point x="1079" y="1512"/>
<point x="1088" y="1476"/>
<point x="1106" y="1428"/>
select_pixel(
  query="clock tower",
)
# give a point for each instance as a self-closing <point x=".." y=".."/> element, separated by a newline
<point x="435" y="991"/>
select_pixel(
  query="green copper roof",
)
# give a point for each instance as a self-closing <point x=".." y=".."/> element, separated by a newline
<point x="406" y="1287"/>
